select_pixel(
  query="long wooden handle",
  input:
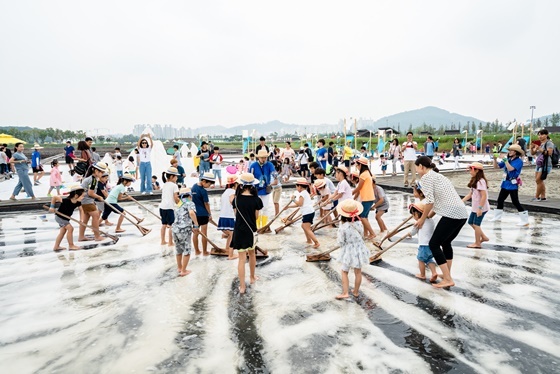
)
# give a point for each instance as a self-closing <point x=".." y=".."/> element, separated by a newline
<point x="395" y="230"/>
<point x="116" y="238"/>
<point x="142" y="230"/>
<point x="142" y="205"/>
<point x="378" y="254"/>
<point x="262" y="229"/>
<point x="210" y="241"/>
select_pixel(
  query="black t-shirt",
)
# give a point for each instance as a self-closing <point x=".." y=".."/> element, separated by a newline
<point x="247" y="207"/>
<point x="205" y="154"/>
<point x="259" y="147"/>
<point x="330" y="152"/>
<point x="67" y="207"/>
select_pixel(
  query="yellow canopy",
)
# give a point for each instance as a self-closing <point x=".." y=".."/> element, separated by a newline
<point x="8" y="139"/>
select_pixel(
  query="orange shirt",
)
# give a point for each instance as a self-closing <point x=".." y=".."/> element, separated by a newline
<point x="366" y="193"/>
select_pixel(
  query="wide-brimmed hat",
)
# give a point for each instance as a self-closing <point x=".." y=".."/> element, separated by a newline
<point x="302" y="181"/>
<point x="343" y="169"/>
<point x="128" y="177"/>
<point x="517" y="148"/>
<point x="362" y="160"/>
<point x="476" y="165"/>
<point x="184" y="191"/>
<point x="319" y="183"/>
<point x="419" y="206"/>
<point x="247" y="179"/>
<point x="350" y="208"/>
<point x="262" y="153"/>
<point x="76" y="188"/>
<point x="208" y="176"/>
<point x="37" y="146"/>
<point x="100" y="166"/>
<point x="105" y="174"/>
<point x="172" y="171"/>
<point x="231" y="179"/>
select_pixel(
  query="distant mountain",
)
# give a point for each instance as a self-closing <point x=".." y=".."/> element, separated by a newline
<point x="429" y="115"/>
<point x="270" y="127"/>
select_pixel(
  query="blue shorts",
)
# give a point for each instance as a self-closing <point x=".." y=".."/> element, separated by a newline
<point x="367" y="206"/>
<point x="474" y="220"/>
<point x="425" y="254"/>
<point x="383" y="167"/>
<point x="539" y="169"/>
<point x="167" y="216"/>
<point x="308" y="218"/>
<point x="217" y="173"/>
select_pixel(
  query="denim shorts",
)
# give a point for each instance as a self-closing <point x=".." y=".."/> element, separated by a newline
<point x="425" y="254"/>
<point x="474" y="220"/>
<point x="367" y="207"/>
<point x="539" y="169"/>
<point x="217" y="173"/>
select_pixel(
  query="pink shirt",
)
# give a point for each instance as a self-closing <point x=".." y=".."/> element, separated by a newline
<point x="56" y="179"/>
<point x="480" y="186"/>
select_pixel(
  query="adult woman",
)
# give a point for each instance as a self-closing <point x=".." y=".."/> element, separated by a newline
<point x="395" y="154"/>
<point x="512" y="166"/>
<point x="86" y="155"/>
<point x="442" y="199"/>
<point x="544" y="163"/>
<point x="456" y="150"/>
<point x="20" y="163"/>
<point x="145" y="145"/>
<point x="364" y="190"/>
<point x="204" y="156"/>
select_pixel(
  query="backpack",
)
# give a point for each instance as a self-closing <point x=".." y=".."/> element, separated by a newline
<point x="555" y="156"/>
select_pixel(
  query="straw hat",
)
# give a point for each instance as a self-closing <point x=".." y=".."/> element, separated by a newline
<point x="476" y="165"/>
<point x="517" y="148"/>
<point x="302" y="181"/>
<point x="100" y="166"/>
<point x="76" y="188"/>
<point x="343" y="169"/>
<point x="231" y="179"/>
<point x="184" y="191"/>
<point x="419" y="206"/>
<point x="37" y="146"/>
<point x="262" y="153"/>
<point x="362" y="160"/>
<point x="105" y="174"/>
<point x="172" y="171"/>
<point x="247" y="179"/>
<point x="350" y="208"/>
<point x="128" y="177"/>
<point x="319" y="183"/>
<point x="208" y="176"/>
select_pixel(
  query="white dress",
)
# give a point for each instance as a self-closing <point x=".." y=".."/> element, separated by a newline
<point x="353" y="250"/>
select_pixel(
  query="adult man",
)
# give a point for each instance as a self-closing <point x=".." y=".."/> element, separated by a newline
<point x="409" y="149"/>
<point x="262" y="145"/>
<point x="38" y="171"/>
<point x="69" y="155"/>
<point x="330" y="153"/>
<point x="429" y="147"/>
<point x="262" y="169"/>
<point x="95" y="156"/>
<point x="177" y="154"/>
<point x="321" y="153"/>
<point x="288" y="152"/>
<point x="348" y="153"/>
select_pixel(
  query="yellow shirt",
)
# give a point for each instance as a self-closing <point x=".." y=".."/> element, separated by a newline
<point x="366" y="193"/>
<point x="348" y="153"/>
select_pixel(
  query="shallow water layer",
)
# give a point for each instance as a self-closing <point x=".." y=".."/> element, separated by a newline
<point x="121" y="308"/>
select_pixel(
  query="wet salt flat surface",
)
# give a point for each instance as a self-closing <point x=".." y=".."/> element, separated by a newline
<point x="121" y="308"/>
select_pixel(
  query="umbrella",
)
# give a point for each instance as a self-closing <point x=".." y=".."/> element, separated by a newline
<point x="8" y="139"/>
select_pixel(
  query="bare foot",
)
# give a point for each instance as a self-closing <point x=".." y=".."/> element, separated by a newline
<point x="59" y="249"/>
<point x="178" y="270"/>
<point x="253" y="280"/>
<point x="356" y="294"/>
<point x="163" y="243"/>
<point x="74" y="248"/>
<point x="205" y="253"/>
<point x="108" y="223"/>
<point x="484" y="239"/>
<point x="433" y="279"/>
<point x="444" y="284"/>
<point x="241" y="290"/>
<point x="342" y="296"/>
<point x="233" y="257"/>
<point x="316" y="245"/>
<point x="474" y="245"/>
<point x="309" y="242"/>
<point x="120" y="230"/>
<point x="420" y="276"/>
<point x="186" y="272"/>
<point x="197" y="253"/>
<point x="99" y="238"/>
<point x="171" y="245"/>
<point x="84" y="239"/>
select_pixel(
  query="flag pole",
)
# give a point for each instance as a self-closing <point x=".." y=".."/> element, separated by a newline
<point x="355" y="134"/>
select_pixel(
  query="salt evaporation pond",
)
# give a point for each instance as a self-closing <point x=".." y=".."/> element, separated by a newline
<point x="121" y="308"/>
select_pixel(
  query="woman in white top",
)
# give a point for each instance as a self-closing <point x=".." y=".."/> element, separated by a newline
<point x="145" y="145"/>
<point x="226" y="223"/>
<point x="442" y="199"/>
<point x="395" y="154"/>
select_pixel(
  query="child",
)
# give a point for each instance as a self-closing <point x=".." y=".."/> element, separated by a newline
<point x="304" y="202"/>
<point x="241" y="167"/>
<point x="424" y="256"/>
<point x="381" y="204"/>
<point x="247" y="205"/>
<point x="131" y="166"/>
<point x="324" y="198"/>
<point x="183" y="227"/>
<point x="119" y="166"/>
<point x="169" y="197"/>
<point x="353" y="251"/>
<point x="335" y="160"/>
<point x="276" y="184"/>
<point x="313" y="166"/>
<point x="479" y="194"/>
<point x="155" y="183"/>
<point x="67" y="206"/>
<point x="117" y="193"/>
<point x="55" y="178"/>
<point x="286" y="170"/>
<point x="216" y="161"/>
<point x="180" y="170"/>
<point x="226" y="223"/>
<point x="383" y="162"/>
<point x="103" y="192"/>
<point x="203" y="212"/>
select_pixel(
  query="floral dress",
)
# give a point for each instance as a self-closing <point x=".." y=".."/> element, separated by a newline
<point x="353" y="250"/>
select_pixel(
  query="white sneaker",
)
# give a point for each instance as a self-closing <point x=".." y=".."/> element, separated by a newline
<point x="151" y="193"/>
<point x="143" y="193"/>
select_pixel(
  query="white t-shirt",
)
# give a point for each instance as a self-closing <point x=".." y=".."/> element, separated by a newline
<point x="307" y="206"/>
<point x="227" y="209"/>
<point x="409" y="153"/>
<point x="145" y="154"/>
<point x="216" y="158"/>
<point x="168" y="195"/>
<point x="344" y="188"/>
<point x="426" y="232"/>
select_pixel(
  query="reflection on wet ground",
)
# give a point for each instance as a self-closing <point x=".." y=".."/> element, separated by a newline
<point x="121" y="308"/>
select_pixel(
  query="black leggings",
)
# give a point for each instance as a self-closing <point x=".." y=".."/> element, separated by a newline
<point x="446" y="231"/>
<point x="514" y="199"/>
